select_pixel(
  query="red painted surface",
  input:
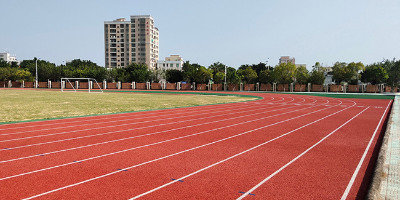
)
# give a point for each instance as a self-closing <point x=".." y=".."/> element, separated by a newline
<point x="173" y="143"/>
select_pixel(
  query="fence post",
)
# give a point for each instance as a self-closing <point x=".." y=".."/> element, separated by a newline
<point x="194" y="86"/>
<point x="49" y="84"/>
<point x="148" y="86"/>
<point x="291" y="87"/>
<point x="104" y="84"/>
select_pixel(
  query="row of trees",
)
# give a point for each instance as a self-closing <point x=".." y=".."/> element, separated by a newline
<point x="387" y="72"/>
<point x="283" y="73"/>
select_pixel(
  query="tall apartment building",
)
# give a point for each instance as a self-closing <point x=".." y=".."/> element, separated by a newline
<point x="134" y="41"/>
<point x="287" y="59"/>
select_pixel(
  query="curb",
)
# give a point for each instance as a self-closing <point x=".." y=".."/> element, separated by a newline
<point x="386" y="181"/>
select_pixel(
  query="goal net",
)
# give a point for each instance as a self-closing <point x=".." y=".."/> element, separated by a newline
<point x="80" y="84"/>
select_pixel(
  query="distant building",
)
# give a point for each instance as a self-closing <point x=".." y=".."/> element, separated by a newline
<point x="8" y="57"/>
<point x="172" y="62"/>
<point x="301" y="65"/>
<point x="134" y="41"/>
<point x="287" y="59"/>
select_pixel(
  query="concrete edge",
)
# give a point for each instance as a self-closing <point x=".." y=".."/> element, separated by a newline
<point x="381" y="174"/>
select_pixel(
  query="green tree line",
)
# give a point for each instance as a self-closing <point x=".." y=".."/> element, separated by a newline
<point x="387" y="72"/>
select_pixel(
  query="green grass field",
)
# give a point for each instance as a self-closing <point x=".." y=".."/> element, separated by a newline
<point x="21" y="105"/>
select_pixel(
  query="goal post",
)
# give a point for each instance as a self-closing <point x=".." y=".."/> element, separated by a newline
<point x="91" y="84"/>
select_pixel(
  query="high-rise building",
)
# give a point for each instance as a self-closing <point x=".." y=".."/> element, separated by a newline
<point x="134" y="41"/>
<point x="287" y="59"/>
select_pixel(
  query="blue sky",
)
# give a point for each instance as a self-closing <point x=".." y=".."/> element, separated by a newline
<point x="233" y="32"/>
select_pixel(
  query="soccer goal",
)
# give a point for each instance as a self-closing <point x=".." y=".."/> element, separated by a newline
<point x="89" y="84"/>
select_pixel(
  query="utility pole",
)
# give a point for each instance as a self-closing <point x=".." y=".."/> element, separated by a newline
<point x="225" y="79"/>
<point x="36" y="76"/>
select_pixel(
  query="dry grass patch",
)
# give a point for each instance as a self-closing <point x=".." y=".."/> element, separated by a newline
<point x="20" y="105"/>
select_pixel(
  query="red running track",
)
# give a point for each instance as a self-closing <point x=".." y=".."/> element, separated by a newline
<point x="281" y="147"/>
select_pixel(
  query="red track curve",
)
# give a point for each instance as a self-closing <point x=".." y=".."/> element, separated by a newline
<point x="281" y="147"/>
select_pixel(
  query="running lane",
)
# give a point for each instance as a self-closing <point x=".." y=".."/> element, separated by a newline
<point x="213" y="161"/>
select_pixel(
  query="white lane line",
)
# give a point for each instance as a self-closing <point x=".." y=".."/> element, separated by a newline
<point x="181" y="152"/>
<point x="236" y="155"/>
<point x="118" y="125"/>
<point x="217" y="110"/>
<point x="154" y="133"/>
<point x="139" y="128"/>
<point x="297" y="157"/>
<point x="125" y="150"/>
<point x="353" y="178"/>
<point x="100" y="117"/>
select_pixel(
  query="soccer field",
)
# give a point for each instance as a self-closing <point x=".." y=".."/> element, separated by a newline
<point x="20" y="105"/>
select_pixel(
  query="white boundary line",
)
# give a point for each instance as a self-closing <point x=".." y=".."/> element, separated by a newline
<point x="243" y="152"/>
<point x="136" y="117"/>
<point x="154" y="133"/>
<point x="187" y="150"/>
<point x="297" y="157"/>
<point x="108" y="116"/>
<point x="139" y="128"/>
<point x="353" y="178"/>
<point x="126" y="124"/>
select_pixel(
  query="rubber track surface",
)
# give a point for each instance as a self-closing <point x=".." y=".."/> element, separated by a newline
<point x="281" y="147"/>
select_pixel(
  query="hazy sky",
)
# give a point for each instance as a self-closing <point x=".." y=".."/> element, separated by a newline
<point x="233" y="32"/>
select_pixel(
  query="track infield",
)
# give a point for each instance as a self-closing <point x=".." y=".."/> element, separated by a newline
<point x="283" y="146"/>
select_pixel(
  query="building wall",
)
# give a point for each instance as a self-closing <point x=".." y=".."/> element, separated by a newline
<point x="134" y="41"/>
<point x="287" y="59"/>
<point x="172" y="62"/>
<point x="8" y="57"/>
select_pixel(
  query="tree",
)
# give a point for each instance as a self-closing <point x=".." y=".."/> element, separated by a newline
<point x="302" y="75"/>
<point x="202" y="74"/>
<point x="5" y="74"/>
<point x="375" y="74"/>
<point x="393" y="69"/>
<point x="174" y="75"/>
<point x="317" y="75"/>
<point x="232" y="76"/>
<point x="265" y="76"/>
<point x="217" y="67"/>
<point x="196" y="73"/>
<point x="343" y="72"/>
<point x="137" y="72"/>
<point x="23" y="75"/>
<point x="219" y="77"/>
<point x="285" y="73"/>
<point x="248" y="75"/>
<point x="4" y="64"/>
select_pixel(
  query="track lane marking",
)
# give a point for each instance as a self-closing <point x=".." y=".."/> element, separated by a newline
<point x="125" y="150"/>
<point x="360" y="163"/>
<point x="139" y="128"/>
<point x="218" y="110"/>
<point x="118" y="125"/>
<point x="297" y="157"/>
<point x="99" y="117"/>
<point x="236" y="155"/>
<point x="187" y="150"/>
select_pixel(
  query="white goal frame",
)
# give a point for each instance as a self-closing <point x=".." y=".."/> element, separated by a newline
<point x="65" y="80"/>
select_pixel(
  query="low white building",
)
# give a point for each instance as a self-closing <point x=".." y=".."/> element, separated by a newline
<point x="8" y="57"/>
<point x="172" y="62"/>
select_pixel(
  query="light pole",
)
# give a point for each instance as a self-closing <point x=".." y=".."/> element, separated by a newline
<point x="225" y="79"/>
<point x="267" y="63"/>
<point x="36" y="75"/>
